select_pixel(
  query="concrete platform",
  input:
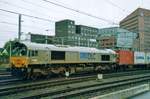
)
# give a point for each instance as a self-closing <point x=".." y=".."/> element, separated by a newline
<point x="123" y="94"/>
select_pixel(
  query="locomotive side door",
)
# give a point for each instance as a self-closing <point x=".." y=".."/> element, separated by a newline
<point x="47" y="56"/>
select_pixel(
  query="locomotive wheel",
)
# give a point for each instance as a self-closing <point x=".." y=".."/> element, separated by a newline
<point x="25" y="74"/>
<point x="25" y="77"/>
<point x="33" y="77"/>
<point x="62" y="73"/>
<point x="49" y="75"/>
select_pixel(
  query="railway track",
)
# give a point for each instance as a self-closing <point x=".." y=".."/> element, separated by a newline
<point x="28" y="88"/>
<point x="40" y="85"/>
<point x="4" y="73"/>
<point x="6" y="76"/>
<point x="9" y="80"/>
<point x="71" y="91"/>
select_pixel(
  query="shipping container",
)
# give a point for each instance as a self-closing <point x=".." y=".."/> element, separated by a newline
<point x="148" y="58"/>
<point x="139" y="58"/>
<point x="125" y="57"/>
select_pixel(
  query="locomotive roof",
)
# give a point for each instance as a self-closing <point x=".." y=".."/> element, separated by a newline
<point x="37" y="46"/>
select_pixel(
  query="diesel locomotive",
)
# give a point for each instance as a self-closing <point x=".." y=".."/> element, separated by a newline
<point x="31" y="60"/>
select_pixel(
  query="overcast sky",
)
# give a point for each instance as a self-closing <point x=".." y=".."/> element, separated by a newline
<point x="112" y="10"/>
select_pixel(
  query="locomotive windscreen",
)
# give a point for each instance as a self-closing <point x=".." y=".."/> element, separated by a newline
<point x="57" y="55"/>
<point x="19" y="49"/>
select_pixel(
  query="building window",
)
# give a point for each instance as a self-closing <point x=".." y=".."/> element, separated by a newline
<point x="69" y="26"/>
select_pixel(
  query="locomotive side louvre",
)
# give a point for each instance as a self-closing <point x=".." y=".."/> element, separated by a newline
<point x="71" y="56"/>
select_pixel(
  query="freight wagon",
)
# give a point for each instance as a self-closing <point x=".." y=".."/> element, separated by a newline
<point x="133" y="59"/>
<point x="125" y="57"/>
<point x="139" y="58"/>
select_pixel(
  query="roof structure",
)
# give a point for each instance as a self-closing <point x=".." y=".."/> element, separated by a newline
<point x="37" y="46"/>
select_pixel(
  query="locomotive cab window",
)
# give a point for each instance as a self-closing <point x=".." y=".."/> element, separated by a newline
<point x="57" y="55"/>
<point x="105" y="57"/>
<point x="33" y="53"/>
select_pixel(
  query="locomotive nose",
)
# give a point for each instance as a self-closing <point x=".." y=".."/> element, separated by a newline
<point x="19" y="62"/>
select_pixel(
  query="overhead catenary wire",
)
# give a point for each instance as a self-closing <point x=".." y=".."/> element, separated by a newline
<point x="27" y="2"/>
<point x="7" y="16"/>
<point x="45" y="7"/>
<point x="17" y="6"/>
<point x="40" y="18"/>
<point x="17" y="13"/>
<point x="38" y="5"/>
<point x="34" y="4"/>
<point x="28" y="26"/>
<point x="8" y="23"/>
<point x="5" y="2"/>
<point x="56" y="4"/>
<point x="115" y="5"/>
<point x="15" y="31"/>
<point x="81" y="12"/>
<point x="12" y="17"/>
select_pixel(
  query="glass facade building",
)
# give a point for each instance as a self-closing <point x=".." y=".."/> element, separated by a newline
<point x="116" y="38"/>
